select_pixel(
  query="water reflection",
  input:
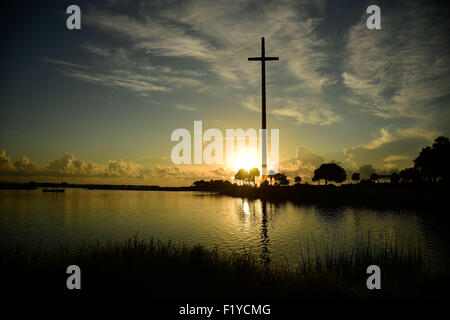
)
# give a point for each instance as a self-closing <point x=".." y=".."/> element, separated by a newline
<point x="274" y="232"/>
<point x="265" y="253"/>
<point x="258" y="213"/>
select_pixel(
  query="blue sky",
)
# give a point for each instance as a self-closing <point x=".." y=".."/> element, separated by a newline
<point x="99" y="104"/>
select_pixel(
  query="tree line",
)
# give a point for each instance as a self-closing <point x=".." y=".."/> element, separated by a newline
<point x="431" y="165"/>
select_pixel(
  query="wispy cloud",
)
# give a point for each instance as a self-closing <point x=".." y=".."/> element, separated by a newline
<point x="400" y="70"/>
<point x="219" y="35"/>
<point x="393" y="81"/>
<point x="186" y="108"/>
<point x="64" y="63"/>
<point x="307" y="111"/>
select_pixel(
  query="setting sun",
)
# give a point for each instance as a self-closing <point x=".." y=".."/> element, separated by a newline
<point x="244" y="159"/>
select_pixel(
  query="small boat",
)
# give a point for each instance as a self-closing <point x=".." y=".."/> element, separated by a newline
<point x="52" y="190"/>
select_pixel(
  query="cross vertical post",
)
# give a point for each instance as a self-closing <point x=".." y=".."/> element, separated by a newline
<point x="263" y="60"/>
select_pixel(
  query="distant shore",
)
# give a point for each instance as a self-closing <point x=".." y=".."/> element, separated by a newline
<point x="387" y="195"/>
<point x="382" y="195"/>
<point x="36" y="185"/>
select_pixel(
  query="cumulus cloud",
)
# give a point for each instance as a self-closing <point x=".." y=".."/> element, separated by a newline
<point x="303" y="165"/>
<point x="22" y="166"/>
<point x="152" y="170"/>
<point x="68" y="166"/>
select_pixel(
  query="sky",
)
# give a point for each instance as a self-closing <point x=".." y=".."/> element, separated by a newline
<point x="99" y="104"/>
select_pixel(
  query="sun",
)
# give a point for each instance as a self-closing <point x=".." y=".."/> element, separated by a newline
<point x="244" y="160"/>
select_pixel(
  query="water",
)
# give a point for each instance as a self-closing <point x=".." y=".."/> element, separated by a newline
<point x="273" y="232"/>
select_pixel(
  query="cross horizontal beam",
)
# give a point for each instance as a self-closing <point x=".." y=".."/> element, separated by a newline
<point x="262" y="58"/>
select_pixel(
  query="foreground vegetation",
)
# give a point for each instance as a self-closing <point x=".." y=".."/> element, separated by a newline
<point x="165" y="271"/>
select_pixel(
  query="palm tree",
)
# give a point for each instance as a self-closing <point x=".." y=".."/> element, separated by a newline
<point x="241" y="175"/>
<point x="254" y="172"/>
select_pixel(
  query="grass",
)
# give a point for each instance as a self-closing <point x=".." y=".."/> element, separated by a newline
<point x="164" y="271"/>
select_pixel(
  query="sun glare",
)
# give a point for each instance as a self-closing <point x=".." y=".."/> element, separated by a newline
<point x="245" y="160"/>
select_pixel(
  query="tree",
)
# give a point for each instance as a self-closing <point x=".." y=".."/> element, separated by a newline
<point x="200" y="184"/>
<point x="356" y="176"/>
<point x="410" y="175"/>
<point x="298" y="180"/>
<point x="329" y="172"/>
<point x="434" y="162"/>
<point x="281" y="179"/>
<point x="241" y="175"/>
<point x="254" y="172"/>
<point x="374" y="176"/>
<point x="395" y="178"/>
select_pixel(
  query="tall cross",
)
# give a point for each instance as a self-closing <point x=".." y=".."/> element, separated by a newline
<point x="263" y="60"/>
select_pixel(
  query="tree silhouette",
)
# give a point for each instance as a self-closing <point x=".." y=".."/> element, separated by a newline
<point x="356" y="176"/>
<point x="254" y="172"/>
<point x="434" y="162"/>
<point x="329" y="172"/>
<point x="241" y="175"/>
<point x="374" y="176"/>
<point x="395" y="178"/>
<point x="410" y="175"/>
<point x="200" y="184"/>
<point x="281" y="179"/>
<point x="298" y="180"/>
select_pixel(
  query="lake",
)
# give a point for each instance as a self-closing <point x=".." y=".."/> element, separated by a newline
<point x="274" y="232"/>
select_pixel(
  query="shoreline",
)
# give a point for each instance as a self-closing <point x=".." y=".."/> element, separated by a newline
<point x="377" y="195"/>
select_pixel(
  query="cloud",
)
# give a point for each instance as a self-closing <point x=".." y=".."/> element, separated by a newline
<point x="186" y="108"/>
<point x="22" y="166"/>
<point x="119" y="79"/>
<point x="68" y="166"/>
<point x="303" y="165"/>
<point x="401" y="70"/>
<point x="64" y="63"/>
<point x="390" y="149"/>
<point x="308" y="111"/>
<point x="190" y="172"/>
<point x="210" y="42"/>
<point x="150" y="170"/>
<point x="366" y="170"/>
